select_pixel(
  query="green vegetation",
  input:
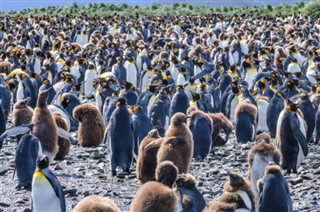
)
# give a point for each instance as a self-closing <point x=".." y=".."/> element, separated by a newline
<point x="103" y="9"/>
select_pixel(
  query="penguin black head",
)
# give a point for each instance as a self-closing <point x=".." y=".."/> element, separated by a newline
<point x="179" y="119"/>
<point x="42" y="162"/>
<point x="195" y="96"/>
<point x="304" y="96"/>
<point x="294" y="60"/>
<point x="292" y="106"/>
<point x="127" y="85"/>
<point x="121" y="101"/>
<point x="166" y="173"/>
<point x="178" y="87"/>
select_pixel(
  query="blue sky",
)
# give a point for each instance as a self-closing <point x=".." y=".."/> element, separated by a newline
<point x="6" y="5"/>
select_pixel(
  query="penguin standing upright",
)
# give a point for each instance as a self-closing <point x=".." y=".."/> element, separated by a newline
<point x="201" y="127"/>
<point x="262" y="105"/>
<point x="259" y="156"/>
<point x="179" y="102"/>
<point x="90" y="75"/>
<point x="132" y="72"/>
<point x="309" y="114"/>
<point x="27" y="152"/>
<point x="275" y="107"/>
<point x="21" y="114"/>
<point x="274" y="191"/>
<point x="291" y="137"/>
<point x="178" y="146"/>
<point x="246" y="122"/>
<point x="47" y="193"/>
<point x="120" y="138"/>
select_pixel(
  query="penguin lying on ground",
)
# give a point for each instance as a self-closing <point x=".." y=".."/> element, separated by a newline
<point x="220" y="122"/>
<point x="291" y="137"/>
<point x="178" y="145"/>
<point x="228" y="202"/>
<point x="96" y="203"/>
<point x="192" y="200"/>
<point x="274" y="191"/>
<point x="155" y="196"/>
<point x="46" y="192"/>
<point x="259" y="156"/>
<point x="246" y="122"/>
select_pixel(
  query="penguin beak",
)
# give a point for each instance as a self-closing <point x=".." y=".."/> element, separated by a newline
<point x="185" y="119"/>
<point x="26" y="100"/>
<point x="232" y="177"/>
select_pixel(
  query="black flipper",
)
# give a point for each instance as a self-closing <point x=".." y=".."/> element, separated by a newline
<point x="23" y="129"/>
<point x="66" y="135"/>
<point x="300" y="137"/>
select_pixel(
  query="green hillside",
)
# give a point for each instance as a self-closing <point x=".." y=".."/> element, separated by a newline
<point x="103" y="9"/>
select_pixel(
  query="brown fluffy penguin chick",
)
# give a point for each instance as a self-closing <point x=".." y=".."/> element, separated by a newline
<point x="22" y="113"/>
<point x="242" y="188"/>
<point x="91" y="127"/>
<point x="178" y="145"/>
<point x="220" y="122"/>
<point x="259" y="156"/>
<point x="64" y="144"/>
<point x="226" y="203"/>
<point x="96" y="203"/>
<point x="45" y="127"/>
<point x="155" y="196"/>
<point x="166" y="173"/>
<point x="147" y="157"/>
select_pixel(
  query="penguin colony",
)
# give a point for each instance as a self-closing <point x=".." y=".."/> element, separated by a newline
<point x="159" y="91"/>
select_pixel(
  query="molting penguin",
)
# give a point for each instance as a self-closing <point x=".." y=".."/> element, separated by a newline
<point x="47" y="193"/>
<point x="242" y="188"/>
<point x="147" y="157"/>
<point x="291" y="137"/>
<point x="91" y="127"/>
<point x="192" y="200"/>
<point x="259" y="156"/>
<point x="178" y="146"/>
<point x="120" y="138"/>
<point x="201" y="127"/>
<point x="246" y="122"/>
<point x="22" y="113"/>
<point x="155" y="196"/>
<point x="179" y="102"/>
<point x="220" y="122"/>
<point x="274" y="191"/>
<point x="96" y="203"/>
<point x="27" y="152"/>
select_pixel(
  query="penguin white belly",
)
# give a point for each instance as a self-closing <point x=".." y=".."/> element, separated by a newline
<point x="244" y="47"/>
<point x="181" y="80"/>
<point x="179" y="202"/>
<point x="174" y="73"/>
<point x="75" y="71"/>
<point x="262" y="123"/>
<point x="301" y="156"/>
<point x="258" y="166"/>
<point x="279" y="123"/>
<point x="250" y="76"/>
<point x="197" y="70"/>
<point x="139" y="65"/>
<point x="58" y="86"/>
<point x="98" y="100"/>
<point x="233" y="106"/>
<point x="246" y="199"/>
<point x="293" y="68"/>
<point x="37" y="66"/>
<point x="132" y="74"/>
<point x="235" y="56"/>
<point x="150" y="103"/>
<point x="166" y="126"/>
<point x="145" y="81"/>
<point x="59" y="65"/>
<point x="88" y="87"/>
<point x="20" y="92"/>
<point x="43" y="196"/>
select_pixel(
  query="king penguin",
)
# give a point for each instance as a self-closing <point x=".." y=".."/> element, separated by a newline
<point x="120" y="138"/>
<point x="179" y="102"/>
<point x="275" y="107"/>
<point x="47" y="193"/>
<point x="273" y="183"/>
<point x="291" y="137"/>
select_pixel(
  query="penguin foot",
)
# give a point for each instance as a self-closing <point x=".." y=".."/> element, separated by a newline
<point x="127" y="170"/>
<point x="114" y="173"/>
<point x="24" y="187"/>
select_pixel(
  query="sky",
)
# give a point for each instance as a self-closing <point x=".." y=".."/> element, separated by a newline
<point x="6" y="5"/>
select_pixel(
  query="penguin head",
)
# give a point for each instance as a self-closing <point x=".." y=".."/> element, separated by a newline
<point x="236" y="180"/>
<point x="22" y="103"/>
<point x="42" y="162"/>
<point x="127" y="85"/>
<point x="121" y="102"/>
<point x="43" y="96"/>
<point x="65" y="101"/>
<point x="304" y="96"/>
<point x="195" y="96"/>
<point x="166" y="173"/>
<point x="179" y="87"/>
<point x="292" y="106"/>
<point x="179" y="119"/>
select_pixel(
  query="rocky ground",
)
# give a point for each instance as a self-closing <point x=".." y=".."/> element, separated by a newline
<point x="86" y="171"/>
